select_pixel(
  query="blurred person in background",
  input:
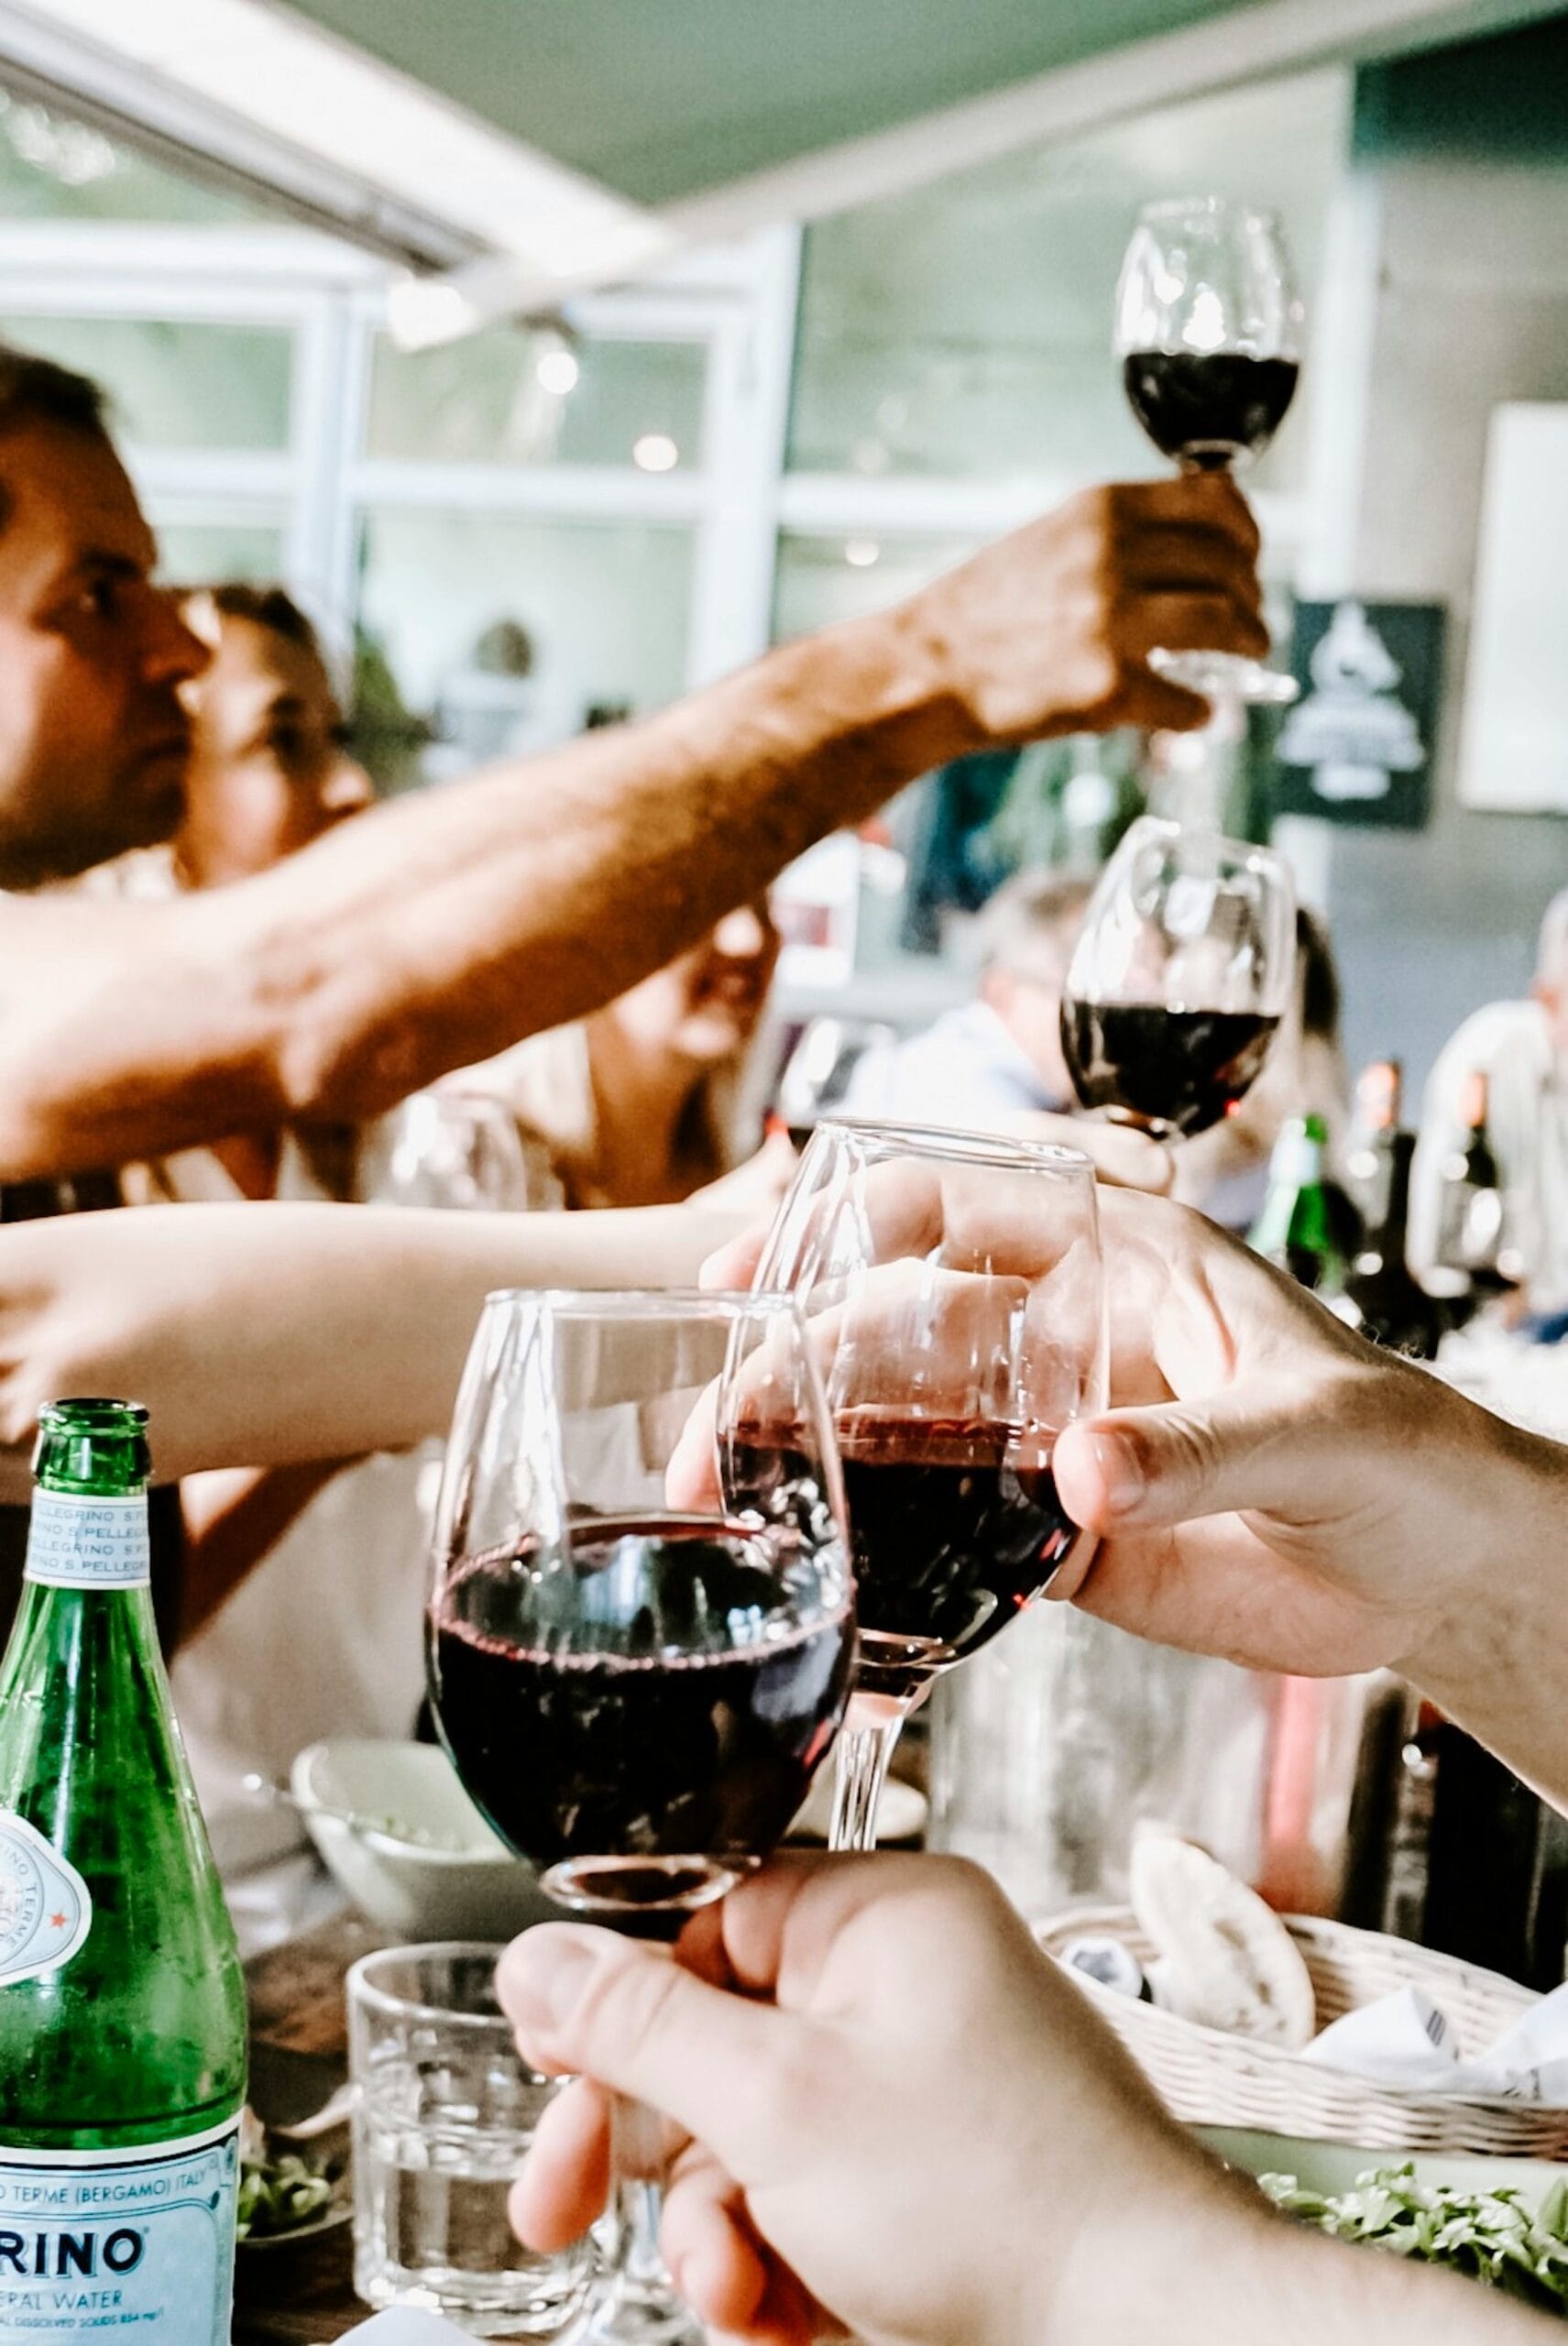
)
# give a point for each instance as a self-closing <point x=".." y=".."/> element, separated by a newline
<point x="1522" y="1050"/>
<point x="647" y="1102"/>
<point x="1000" y="1054"/>
<point x="303" y="1586"/>
<point x="1224" y="1171"/>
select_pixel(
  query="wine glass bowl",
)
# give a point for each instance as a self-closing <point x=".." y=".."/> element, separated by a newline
<point x="1181" y="973"/>
<point x="640" y="1642"/>
<point x="1207" y="329"/>
<point x="952" y="1287"/>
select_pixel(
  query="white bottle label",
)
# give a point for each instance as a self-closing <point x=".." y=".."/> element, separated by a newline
<point x="88" y="1543"/>
<point x="96" y="2241"/>
<point x="46" y="1909"/>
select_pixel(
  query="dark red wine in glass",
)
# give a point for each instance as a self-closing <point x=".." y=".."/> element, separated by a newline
<point x="1172" y="1072"/>
<point x="696" y="1733"/>
<point x="1209" y="409"/>
<point x="953" y="1528"/>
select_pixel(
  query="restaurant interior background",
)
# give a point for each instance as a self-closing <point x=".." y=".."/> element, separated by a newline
<point x="541" y="521"/>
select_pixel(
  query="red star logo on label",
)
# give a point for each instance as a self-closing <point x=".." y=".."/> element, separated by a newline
<point x="57" y="1922"/>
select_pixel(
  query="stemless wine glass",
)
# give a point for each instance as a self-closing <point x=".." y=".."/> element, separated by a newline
<point x="641" y="1631"/>
<point x="953" y="1287"/>
<point x="1208" y="333"/>
<point x="1181" y="973"/>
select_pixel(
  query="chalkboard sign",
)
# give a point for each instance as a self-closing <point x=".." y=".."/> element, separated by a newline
<point x="1357" y="747"/>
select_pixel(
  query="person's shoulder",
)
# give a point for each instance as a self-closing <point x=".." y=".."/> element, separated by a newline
<point x="1495" y="1031"/>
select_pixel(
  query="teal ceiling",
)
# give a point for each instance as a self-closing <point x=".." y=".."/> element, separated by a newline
<point x="660" y="98"/>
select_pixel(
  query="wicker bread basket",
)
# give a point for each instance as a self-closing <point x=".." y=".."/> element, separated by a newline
<point x="1209" y="2079"/>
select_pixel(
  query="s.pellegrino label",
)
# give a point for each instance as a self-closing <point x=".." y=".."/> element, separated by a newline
<point x="91" y="2241"/>
<point x="121" y="2004"/>
<point x="89" y="1543"/>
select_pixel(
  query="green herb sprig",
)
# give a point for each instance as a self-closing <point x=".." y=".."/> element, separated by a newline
<point x="1493" y="2236"/>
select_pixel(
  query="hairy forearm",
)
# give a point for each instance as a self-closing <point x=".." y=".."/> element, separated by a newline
<point x="1214" y="2266"/>
<point x="260" y="1334"/>
<point x="1498" y="1660"/>
<point x="437" y="930"/>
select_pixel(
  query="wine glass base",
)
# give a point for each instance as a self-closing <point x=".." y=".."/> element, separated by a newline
<point x="641" y="2314"/>
<point x="1225" y="675"/>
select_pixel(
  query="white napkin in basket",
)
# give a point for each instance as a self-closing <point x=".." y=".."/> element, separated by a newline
<point x="1406" y="2040"/>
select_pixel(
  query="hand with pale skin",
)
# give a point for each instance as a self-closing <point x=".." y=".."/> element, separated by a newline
<point x="894" y="2119"/>
<point x="1272" y="1488"/>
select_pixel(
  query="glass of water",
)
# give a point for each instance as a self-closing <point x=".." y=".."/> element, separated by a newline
<point x="444" y="2112"/>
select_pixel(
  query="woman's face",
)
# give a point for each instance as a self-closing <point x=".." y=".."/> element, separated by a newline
<point x="703" y="1006"/>
<point x="269" y="771"/>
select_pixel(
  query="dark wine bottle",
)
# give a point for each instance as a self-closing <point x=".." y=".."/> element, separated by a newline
<point x="1481" y="1870"/>
<point x="1471" y="1259"/>
<point x="1393" y="1308"/>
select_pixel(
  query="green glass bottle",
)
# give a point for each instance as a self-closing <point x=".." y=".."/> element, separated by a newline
<point x="1296" y="1228"/>
<point x="122" y="2003"/>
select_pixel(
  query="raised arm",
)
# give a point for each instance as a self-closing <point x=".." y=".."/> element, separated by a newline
<point x="437" y="930"/>
<point x="263" y="1335"/>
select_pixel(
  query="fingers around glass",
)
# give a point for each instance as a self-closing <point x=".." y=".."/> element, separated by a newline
<point x="954" y="1296"/>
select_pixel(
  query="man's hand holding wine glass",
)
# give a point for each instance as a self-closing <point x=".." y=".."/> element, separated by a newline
<point x="1055" y="636"/>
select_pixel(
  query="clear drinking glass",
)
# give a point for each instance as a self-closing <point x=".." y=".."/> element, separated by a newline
<point x="444" y="2112"/>
<point x="640" y="1628"/>
<point x="455" y="1148"/>
<point x="954" y="1291"/>
<point x="1207" y="329"/>
<point x="1181" y="973"/>
<point x="819" y="1070"/>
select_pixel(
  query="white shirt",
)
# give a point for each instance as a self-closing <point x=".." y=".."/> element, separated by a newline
<point x="324" y="1637"/>
<point x="963" y="1071"/>
<point x="1526" y="1123"/>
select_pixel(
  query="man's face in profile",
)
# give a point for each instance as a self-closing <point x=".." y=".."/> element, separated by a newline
<point x="94" y="740"/>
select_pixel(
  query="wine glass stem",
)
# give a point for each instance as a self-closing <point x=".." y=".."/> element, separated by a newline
<point x="640" y="2308"/>
<point x="860" y="1758"/>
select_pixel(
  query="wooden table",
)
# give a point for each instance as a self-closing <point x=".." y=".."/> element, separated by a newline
<point x="301" y="2295"/>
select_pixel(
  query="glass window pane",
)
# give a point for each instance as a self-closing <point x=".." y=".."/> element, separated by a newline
<point x="819" y="580"/>
<point x="207" y="553"/>
<point x="965" y="328"/>
<point x="512" y="397"/>
<point x="175" y="383"/>
<point x="506" y="635"/>
<point x="54" y="168"/>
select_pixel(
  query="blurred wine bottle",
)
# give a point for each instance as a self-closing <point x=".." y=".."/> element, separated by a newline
<point x="1307" y="1226"/>
<point x="1473" y="1262"/>
<point x="1478" y="1863"/>
<point x="1391" y="1306"/>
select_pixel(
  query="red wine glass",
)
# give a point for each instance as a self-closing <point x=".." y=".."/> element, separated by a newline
<point x="640" y="1630"/>
<point x="1181" y="973"/>
<point x="1208" y="333"/>
<point x="953" y="1288"/>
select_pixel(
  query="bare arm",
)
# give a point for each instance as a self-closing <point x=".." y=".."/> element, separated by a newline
<point x="263" y="1335"/>
<point x="437" y="930"/>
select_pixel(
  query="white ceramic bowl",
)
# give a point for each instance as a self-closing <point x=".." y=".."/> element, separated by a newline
<point x="399" y="1833"/>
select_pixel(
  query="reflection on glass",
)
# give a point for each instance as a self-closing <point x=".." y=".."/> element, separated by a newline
<point x="506" y="634"/>
<point x="516" y="397"/>
<point x="202" y="554"/>
<point x="819" y="580"/>
<point x="958" y="329"/>
<point x="176" y="382"/>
